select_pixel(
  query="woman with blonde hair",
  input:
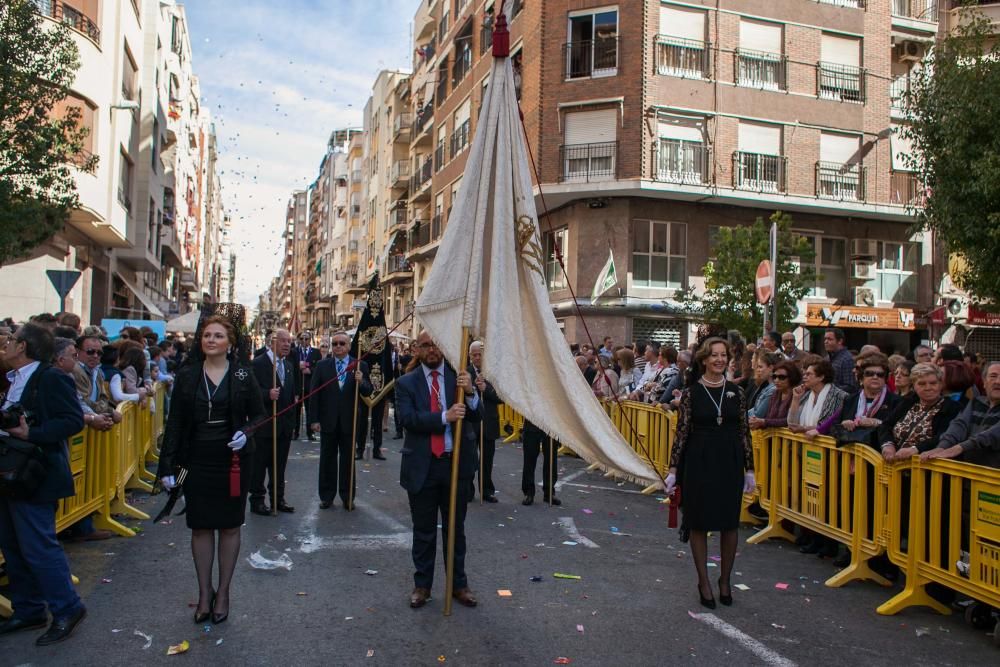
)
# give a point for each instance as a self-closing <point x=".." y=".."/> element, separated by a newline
<point x="626" y="379"/>
<point x="605" y="385"/>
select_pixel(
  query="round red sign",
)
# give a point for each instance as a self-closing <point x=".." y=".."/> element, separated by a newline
<point x="765" y="285"/>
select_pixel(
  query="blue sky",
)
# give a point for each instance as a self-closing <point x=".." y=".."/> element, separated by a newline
<point x="278" y="78"/>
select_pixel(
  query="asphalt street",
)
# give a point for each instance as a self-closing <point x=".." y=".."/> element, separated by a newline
<point x="344" y="600"/>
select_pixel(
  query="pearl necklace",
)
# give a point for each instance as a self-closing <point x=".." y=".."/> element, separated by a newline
<point x="714" y="383"/>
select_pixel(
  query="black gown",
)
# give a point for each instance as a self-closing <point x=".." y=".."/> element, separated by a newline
<point x="711" y="458"/>
<point x="206" y="489"/>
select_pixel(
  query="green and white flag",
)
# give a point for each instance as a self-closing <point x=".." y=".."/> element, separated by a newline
<point x="606" y="279"/>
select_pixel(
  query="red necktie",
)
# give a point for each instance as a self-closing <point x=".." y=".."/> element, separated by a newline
<point x="437" y="439"/>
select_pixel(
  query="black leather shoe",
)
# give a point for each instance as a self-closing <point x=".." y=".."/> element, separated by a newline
<point x="555" y="501"/>
<point x="358" y="457"/>
<point x="706" y="602"/>
<point x="727" y="600"/>
<point x="61" y="629"/>
<point x="491" y="499"/>
<point x="260" y="507"/>
<point x="528" y="500"/>
<point x="379" y="456"/>
<point x="325" y="504"/>
<point x="285" y="507"/>
<point x="18" y="624"/>
<point x="203" y="617"/>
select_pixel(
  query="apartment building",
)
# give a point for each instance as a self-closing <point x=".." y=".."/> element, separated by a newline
<point x="350" y="282"/>
<point x="387" y="128"/>
<point x="654" y="124"/>
<point x="140" y="254"/>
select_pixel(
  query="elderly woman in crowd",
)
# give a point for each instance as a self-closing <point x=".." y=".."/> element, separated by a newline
<point x="903" y="385"/>
<point x="816" y="402"/>
<point x="605" y="385"/>
<point x="785" y="376"/>
<point x="918" y="422"/>
<point x="863" y="412"/>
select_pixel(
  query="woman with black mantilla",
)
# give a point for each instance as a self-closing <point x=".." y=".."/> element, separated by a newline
<point x="215" y="400"/>
<point x="712" y="460"/>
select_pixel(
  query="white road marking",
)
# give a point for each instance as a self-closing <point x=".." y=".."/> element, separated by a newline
<point x="310" y="542"/>
<point x="569" y="526"/>
<point x="570" y="478"/>
<point x="766" y="655"/>
<point x="604" y="488"/>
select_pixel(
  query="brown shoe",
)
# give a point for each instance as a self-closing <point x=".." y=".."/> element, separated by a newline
<point x="465" y="597"/>
<point x="419" y="597"/>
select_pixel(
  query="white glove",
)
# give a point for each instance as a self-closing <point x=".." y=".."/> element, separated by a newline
<point x="238" y="442"/>
<point x="168" y="482"/>
<point x="671" y="483"/>
<point x="749" y="483"/>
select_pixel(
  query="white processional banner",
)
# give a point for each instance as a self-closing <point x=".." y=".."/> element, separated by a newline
<point x="489" y="275"/>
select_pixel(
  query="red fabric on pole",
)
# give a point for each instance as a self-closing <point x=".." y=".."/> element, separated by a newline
<point x="234" y="476"/>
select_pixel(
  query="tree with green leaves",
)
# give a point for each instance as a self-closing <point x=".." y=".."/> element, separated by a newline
<point x="37" y="148"/>
<point x="730" y="298"/>
<point x="954" y="132"/>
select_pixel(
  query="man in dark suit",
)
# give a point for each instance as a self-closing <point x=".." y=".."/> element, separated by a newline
<point x="276" y="376"/>
<point x="490" y="424"/>
<point x="536" y="440"/>
<point x="332" y="408"/>
<point x="423" y="397"/>
<point x="305" y="357"/>
<point x="36" y="564"/>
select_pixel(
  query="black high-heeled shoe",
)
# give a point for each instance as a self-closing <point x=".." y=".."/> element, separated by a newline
<point x="706" y="602"/>
<point x="726" y="599"/>
<point x="203" y="617"/>
<point x="218" y="618"/>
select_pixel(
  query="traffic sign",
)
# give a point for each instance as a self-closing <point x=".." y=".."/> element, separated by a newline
<point x="63" y="281"/>
<point x="765" y="283"/>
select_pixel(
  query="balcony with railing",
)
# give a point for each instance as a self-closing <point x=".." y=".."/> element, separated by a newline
<point x="589" y="162"/>
<point x="898" y="89"/>
<point x="397" y="268"/>
<point x="851" y="4"/>
<point x="437" y="223"/>
<point x="397" y="219"/>
<point x="399" y="174"/>
<point x="463" y="63"/>
<point x="759" y="172"/>
<point x="422" y="122"/>
<point x="844" y="182"/>
<point x="459" y="139"/>
<point x="69" y="16"/>
<point x="759" y="69"/>
<point x="355" y="176"/>
<point x="442" y="27"/>
<point x="921" y="10"/>
<point x="420" y="236"/>
<point x="402" y="125"/>
<point x="684" y="162"/>
<point x="682" y="57"/>
<point x="843" y="83"/>
<point x="905" y="189"/>
<point x="592" y="58"/>
<point x="486" y="36"/>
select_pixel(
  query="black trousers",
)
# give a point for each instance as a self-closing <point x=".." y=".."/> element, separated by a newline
<point x="486" y="481"/>
<point x="533" y="442"/>
<point x="395" y="414"/>
<point x="377" y="412"/>
<point x="426" y="506"/>
<point x="263" y="464"/>
<point x="335" y="461"/>
<point x="303" y="406"/>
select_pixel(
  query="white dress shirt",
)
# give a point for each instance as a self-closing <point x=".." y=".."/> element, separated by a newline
<point x="18" y="380"/>
<point x="471" y="400"/>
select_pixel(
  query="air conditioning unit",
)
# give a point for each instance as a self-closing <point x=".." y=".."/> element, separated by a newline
<point x="863" y="296"/>
<point x="863" y="270"/>
<point x="864" y="248"/>
<point x="911" y="51"/>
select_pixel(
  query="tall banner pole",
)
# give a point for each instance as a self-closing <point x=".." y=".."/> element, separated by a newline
<point x="552" y="463"/>
<point x="774" y="276"/>
<point x="456" y="450"/>
<point x="354" y="428"/>
<point x="274" y="431"/>
<point x="481" y="428"/>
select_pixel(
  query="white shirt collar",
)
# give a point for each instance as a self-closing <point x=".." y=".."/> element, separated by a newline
<point x="24" y="372"/>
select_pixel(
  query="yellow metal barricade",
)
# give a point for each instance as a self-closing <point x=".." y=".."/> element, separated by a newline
<point x="510" y="419"/>
<point x="837" y="492"/>
<point x="953" y="509"/>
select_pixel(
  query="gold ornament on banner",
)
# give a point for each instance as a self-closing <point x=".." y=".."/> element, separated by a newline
<point x="531" y="252"/>
<point x="373" y="340"/>
<point x="375" y="301"/>
<point x="375" y="376"/>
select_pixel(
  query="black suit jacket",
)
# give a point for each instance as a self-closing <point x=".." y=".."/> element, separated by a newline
<point x="413" y="401"/>
<point x="332" y="406"/>
<point x="51" y="396"/>
<point x="263" y="370"/>
<point x="491" y="413"/>
<point x="313" y="356"/>
<point x="246" y="411"/>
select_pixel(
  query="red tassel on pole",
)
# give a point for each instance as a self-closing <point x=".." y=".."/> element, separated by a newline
<point x="501" y="37"/>
<point x="675" y="502"/>
<point x="234" y="476"/>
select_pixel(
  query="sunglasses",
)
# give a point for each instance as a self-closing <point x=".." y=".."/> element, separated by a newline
<point x="91" y="353"/>
<point x="874" y="374"/>
<point x="338" y="343"/>
<point x="776" y="376"/>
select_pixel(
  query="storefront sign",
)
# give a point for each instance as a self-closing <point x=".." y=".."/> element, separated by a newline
<point x="981" y="318"/>
<point x="860" y="317"/>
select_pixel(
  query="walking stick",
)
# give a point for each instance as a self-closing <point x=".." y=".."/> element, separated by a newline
<point x="481" y="463"/>
<point x="456" y="449"/>
<point x="354" y="429"/>
<point x="552" y="463"/>
<point x="274" y="433"/>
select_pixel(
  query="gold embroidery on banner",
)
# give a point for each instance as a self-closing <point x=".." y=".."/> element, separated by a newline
<point x="375" y="301"/>
<point x="373" y="340"/>
<point x="531" y="252"/>
<point x="375" y="376"/>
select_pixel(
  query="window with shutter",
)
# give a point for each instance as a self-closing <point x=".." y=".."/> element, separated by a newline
<point x="589" y="148"/>
<point x="592" y="47"/>
<point x="839" y="174"/>
<point x="680" y="150"/>
<point x="681" y="47"/>
<point x="758" y="164"/>
<point x="840" y="74"/>
<point x="759" y="62"/>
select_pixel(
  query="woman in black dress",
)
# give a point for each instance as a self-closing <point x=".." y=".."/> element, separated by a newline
<point x="712" y="461"/>
<point x="215" y="399"/>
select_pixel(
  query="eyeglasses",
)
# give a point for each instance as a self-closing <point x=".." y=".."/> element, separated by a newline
<point x="91" y="353"/>
<point x="777" y="376"/>
<point x="339" y="343"/>
<point x="874" y="374"/>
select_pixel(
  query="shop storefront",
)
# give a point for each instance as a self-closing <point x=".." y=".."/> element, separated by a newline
<point x="891" y="329"/>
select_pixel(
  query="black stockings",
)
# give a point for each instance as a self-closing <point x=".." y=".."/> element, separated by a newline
<point x="728" y="540"/>
<point x="203" y="550"/>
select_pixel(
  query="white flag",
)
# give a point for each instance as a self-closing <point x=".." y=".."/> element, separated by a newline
<point x="489" y="275"/>
<point x="606" y="279"/>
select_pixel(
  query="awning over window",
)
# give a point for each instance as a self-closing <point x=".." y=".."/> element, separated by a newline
<point x="143" y="299"/>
